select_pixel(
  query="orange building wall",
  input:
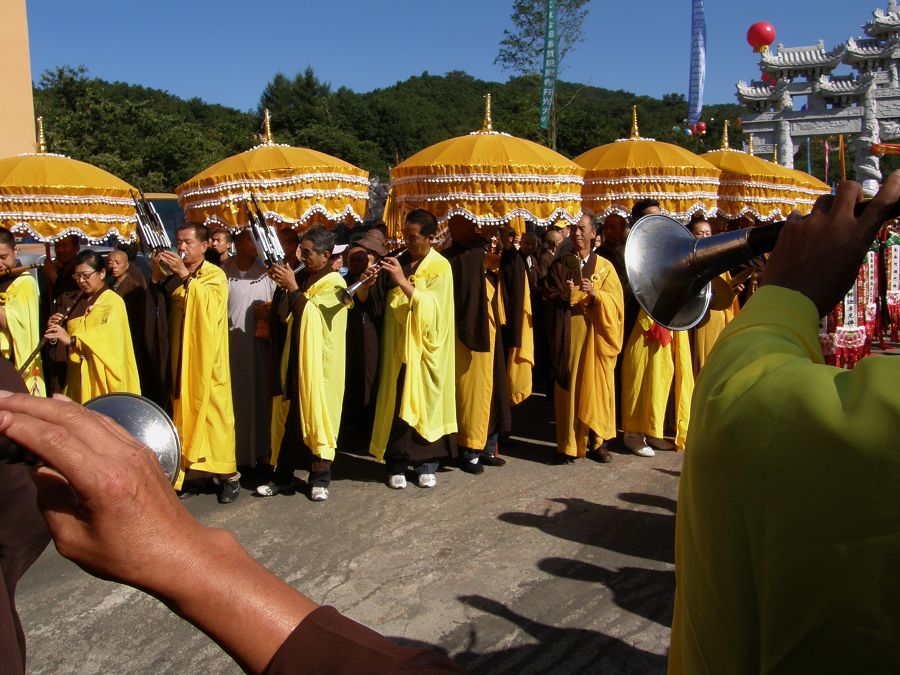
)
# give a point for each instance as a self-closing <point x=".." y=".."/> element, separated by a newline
<point x="16" y="102"/>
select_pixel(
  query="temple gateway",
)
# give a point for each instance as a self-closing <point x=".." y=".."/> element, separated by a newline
<point x="799" y="96"/>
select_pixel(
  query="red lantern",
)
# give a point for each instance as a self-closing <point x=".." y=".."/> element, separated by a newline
<point x="701" y="127"/>
<point x="760" y="35"/>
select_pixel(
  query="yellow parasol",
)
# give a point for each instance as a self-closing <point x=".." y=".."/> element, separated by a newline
<point x="488" y="177"/>
<point x="51" y="197"/>
<point x="755" y="186"/>
<point x="294" y="187"/>
<point x="630" y="169"/>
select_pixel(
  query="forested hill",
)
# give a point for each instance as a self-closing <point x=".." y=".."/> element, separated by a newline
<point x="156" y="141"/>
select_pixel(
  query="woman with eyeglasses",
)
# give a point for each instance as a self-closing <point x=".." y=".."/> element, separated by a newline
<point x="95" y="340"/>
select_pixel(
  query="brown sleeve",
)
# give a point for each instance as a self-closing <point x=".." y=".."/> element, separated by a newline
<point x="23" y="536"/>
<point x="558" y="314"/>
<point x="470" y="298"/>
<point x="327" y="642"/>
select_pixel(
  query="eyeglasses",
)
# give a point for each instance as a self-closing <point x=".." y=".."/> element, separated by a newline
<point x="83" y="276"/>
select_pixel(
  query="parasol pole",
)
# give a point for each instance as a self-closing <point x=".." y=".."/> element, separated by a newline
<point x="487" y="125"/>
<point x="267" y="138"/>
<point x="42" y="149"/>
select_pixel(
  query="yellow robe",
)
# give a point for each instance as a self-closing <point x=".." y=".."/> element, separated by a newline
<point x="520" y="362"/>
<point x="418" y="332"/>
<point x="198" y="339"/>
<point x="788" y="527"/>
<point x="320" y="370"/>
<point x="20" y="301"/>
<point x="648" y="370"/>
<point x="595" y="339"/>
<point x="706" y="334"/>
<point x="475" y="378"/>
<point x="104" y="361"/>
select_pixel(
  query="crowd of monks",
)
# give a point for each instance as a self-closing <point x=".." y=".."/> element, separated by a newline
<point x="420" y="365"/>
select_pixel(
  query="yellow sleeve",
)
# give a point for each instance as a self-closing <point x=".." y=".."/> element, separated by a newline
<point x="428" y="403"/>
<point x="788" y="529"/>
<point x="608" y="311"/>
<point x="203" y="411"/>
<point x="105" y="353"/>
<point x="323" y="329"/>
<point x="22" y="317"/>
<point x="520" y="364"/>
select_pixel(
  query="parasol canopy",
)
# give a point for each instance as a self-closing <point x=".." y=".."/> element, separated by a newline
<point x="295" y="187"/>
<point x="488" y="177"/>
<point x="630" y="169"/>
<point x="755" y="186"/>
<point x="51" y="197"/>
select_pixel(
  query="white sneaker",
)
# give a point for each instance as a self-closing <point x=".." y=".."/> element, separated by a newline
<point x="660" y="443"/>
<point x="427" y="480"/>
<point x="397" y="481"/>
<point x="318" y="494"/>
<point x="636" y="443"/>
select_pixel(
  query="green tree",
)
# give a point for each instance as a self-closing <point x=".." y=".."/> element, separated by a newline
<point x="522" y="49"/>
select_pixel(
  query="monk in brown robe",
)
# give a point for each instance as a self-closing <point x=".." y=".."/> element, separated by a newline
<point x="147" y="320"/>
<point x="583" y="297"/>
<point x="488" y="290"/>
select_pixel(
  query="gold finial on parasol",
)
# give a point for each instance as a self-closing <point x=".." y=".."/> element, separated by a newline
<point x="750" y="146"/>
<point x="634" y="125"/>
<point x="41" y="141"/>
<point x="267" y="128"/>
<point x="724" y="145"/>
<point x="487" y="125"/>
<point x="775" y="153"/>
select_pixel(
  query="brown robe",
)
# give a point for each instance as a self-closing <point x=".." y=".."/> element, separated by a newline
<point x="361" y="375"/>
<point x="327" y="642"/>
<point x="148" y="322"/>
<point x="23" y="536"/>
<point x="472" y="329"/>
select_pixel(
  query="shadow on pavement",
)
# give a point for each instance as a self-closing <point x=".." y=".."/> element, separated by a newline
<point x="641" y="499"/>
<point x="637" y="533"/>
<point x="647" y="593"/>
<point x="557" y="650"/>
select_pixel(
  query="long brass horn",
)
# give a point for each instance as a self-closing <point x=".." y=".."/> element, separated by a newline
<point x="669" y="269"/>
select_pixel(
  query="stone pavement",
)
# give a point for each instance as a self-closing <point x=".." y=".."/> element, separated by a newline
<point x="529" y="568"/>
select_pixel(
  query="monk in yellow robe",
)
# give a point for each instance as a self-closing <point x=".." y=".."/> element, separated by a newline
<point x="415" y="413"/>
<point x="704" y="334"/>
<point x="586" y="310"/>
<point x="306" y="416"/>
<point x="654" y="361"/>
<point x="198" y="341"/>
<point x="19" y="312"/>
<point x="484" y="305"/>
<point x="96" y="338"/>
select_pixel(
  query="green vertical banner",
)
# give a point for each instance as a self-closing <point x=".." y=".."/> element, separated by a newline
<point x="551" y="62"/>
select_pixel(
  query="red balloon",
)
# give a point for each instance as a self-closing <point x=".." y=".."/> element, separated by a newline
<point x="701" y="127"/>
<point x="760" y="34"/>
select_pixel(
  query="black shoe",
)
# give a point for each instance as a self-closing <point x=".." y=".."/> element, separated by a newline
<point x="491" y="460"/>
<point x="186" y="494"/>
<point x="229" y="491"/>
<point x="600" y="454"/>
<point x="563" y="459"/>
<point x="471" y="467"/>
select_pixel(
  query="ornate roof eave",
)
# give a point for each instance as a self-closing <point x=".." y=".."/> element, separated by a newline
<point x="802" y="58"/>
<point x="870" y="50"/>
<point x="844" y="86"/>
<point x="884" y="23"/>
<point x="756" y="91"/>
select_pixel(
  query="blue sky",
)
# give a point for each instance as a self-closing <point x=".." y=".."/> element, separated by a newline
<point x="225" y="51"/>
